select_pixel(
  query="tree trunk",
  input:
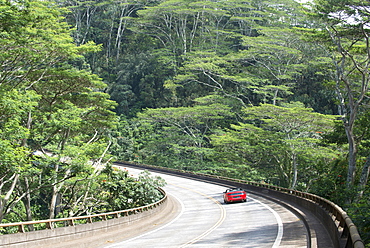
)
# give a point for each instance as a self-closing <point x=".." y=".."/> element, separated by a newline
<point x="364" y="177"/>
<point x="54" y="193"/>
<point x="4" y="199"/>
<point x="27" y="205"/>
<point x="295" y="171"/>
<point x="352" y="154"/>
<point x="53" y="197"/>
<point x="53" y="202"/>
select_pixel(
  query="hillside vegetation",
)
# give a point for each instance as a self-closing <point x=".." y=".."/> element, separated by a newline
<point x="268" y="91"/>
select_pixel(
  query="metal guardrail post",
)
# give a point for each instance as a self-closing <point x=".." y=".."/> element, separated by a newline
<point x="71" y="222"/>
<point x="49" y="224"/>
<point x="21" y="228"/>
<point x="89" y="220"/>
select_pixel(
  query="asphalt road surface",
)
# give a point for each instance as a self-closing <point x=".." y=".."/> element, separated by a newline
<point x="201" y="219"/>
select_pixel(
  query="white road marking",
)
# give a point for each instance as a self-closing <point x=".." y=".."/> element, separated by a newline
<point x="217" y="224"/>
<point x="279" y="235"/>
<point x="276" y="244"/>
<point x="155" y="230"/>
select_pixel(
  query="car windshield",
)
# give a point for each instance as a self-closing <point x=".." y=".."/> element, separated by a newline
<point x="236" y="193"/>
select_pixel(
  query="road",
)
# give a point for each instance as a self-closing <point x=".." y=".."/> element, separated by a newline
<point x="203" y="220"/>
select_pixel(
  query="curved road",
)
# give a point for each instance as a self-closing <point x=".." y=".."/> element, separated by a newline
<point x="202" y="219"/>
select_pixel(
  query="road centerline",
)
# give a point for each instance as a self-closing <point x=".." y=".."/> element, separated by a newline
<point x="216" y="225"/>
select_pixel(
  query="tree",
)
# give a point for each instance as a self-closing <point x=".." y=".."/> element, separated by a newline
<point x="15" y="159"/>
<point x="46" y="103"/>
<point x="274" y="61"/>
<point x="183" y="132"/>
<point x="283" y="138"/>
<point x="259" y="59"/>
<point x="344" y="32"/>
<point x="181" y="26"/>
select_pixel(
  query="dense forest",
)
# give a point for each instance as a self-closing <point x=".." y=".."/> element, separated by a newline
<point x="268" y="91"/>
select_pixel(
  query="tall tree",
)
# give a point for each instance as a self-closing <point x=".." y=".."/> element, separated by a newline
<point x="283" y="139"/>
<point x="345" y="33"/>
<point x="46" y="103"/>
<point x="274" y="61"/>
<point x="258" y="59"/>
<point x="184" y="131"/>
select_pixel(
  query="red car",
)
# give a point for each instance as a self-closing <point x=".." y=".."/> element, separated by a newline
<point x="235" y="195"/>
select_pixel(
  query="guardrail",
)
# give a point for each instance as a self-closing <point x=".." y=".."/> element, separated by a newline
<point x="343" y="231"/>
<point x="75" y="225"/>
<point x="71" y="221"/>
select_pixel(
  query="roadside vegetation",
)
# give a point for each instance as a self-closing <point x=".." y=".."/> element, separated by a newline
<point x="268" y="91"/>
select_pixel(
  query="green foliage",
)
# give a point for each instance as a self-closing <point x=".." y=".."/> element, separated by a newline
<point x="359" y="212"/>
<point x="159" y="56"/>
<point x="47" y="102"/>
<point x="277" y="141"/>
<point x="192" y="82"/>
<point x="137" y="83"/>
<point x="121" y="191"/>
<point x="330" y="181"/>
<point x="182" y="133"/>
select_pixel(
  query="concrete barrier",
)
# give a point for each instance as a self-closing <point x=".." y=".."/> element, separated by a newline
<point x="50" y="237"/>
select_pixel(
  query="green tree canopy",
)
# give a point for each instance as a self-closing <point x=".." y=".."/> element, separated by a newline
<point x="47" y="103"/>
<point x="280" y="141"/>
<point x="343" y="31"/>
